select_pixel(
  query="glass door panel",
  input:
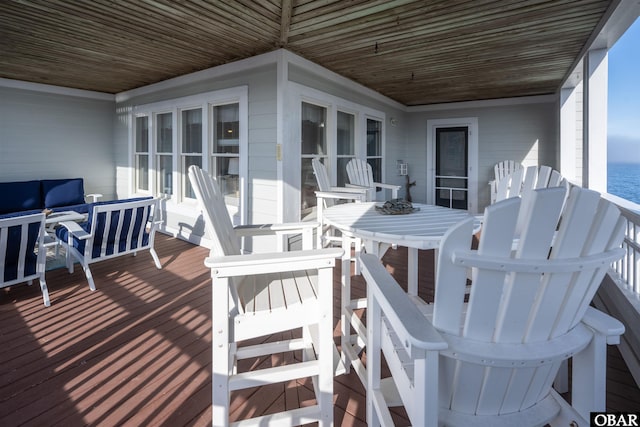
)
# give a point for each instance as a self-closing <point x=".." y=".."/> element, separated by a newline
<point x="314" y="144"/>
<point x="452" y="146"/>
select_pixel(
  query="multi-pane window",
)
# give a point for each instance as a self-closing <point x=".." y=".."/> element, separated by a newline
<point x="345" y="140"/>
<point x="314" y="144"/>
<point x="207" y="130"/>
<point x="374" y="148"/>
<point x="191" y="143"/>
<point x="141" y="155"/>
<point x="225" y="156"/>
<point x="164" y="153"/>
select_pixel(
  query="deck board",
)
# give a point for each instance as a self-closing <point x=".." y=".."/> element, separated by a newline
<point x="137" y="351"/>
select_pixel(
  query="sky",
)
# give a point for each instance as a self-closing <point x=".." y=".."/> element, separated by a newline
<point x="624" y="98"/>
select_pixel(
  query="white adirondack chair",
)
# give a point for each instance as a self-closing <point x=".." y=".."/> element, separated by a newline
<point x="492" y="361"/>
<point x="257" y="295"/>
<point x="327" y="196"/>
<point x="500" y="170"/>
<point x="523" y="181"/>
<point x="114" y="228"/>
<point x="23" y="256"/>
<point x="360" y="174"/>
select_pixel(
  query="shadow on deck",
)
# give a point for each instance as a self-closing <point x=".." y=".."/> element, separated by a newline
<point x="137" y="351"/>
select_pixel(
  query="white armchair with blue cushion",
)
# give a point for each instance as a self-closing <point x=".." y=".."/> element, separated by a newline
<point x="113" y="229"/>
<point x="22" y="252"/>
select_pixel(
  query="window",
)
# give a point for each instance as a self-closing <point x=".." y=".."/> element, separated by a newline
<point x="208" y="130"/>
<point x="335" y="131"/>
<point x="142" y="153"/>
<point x="374" y="148"/>
<point x="191" y="135"/>
<point x="164" y="153"/>
<point x="225" y="156"/>
<point x="314" y="144"/>
<point x="345" y="140"/>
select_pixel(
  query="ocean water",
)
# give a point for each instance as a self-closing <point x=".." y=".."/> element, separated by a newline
<point x="623" y="180"/>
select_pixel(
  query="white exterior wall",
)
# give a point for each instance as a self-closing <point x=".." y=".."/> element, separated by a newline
<point x="184" y="219"/>
<point x="579" y="132"/>
<point x="314" y="82"/>
<point x="524" y="130"/>
<point x="48" y="132"/>
<point x="595" y="109"/>
<point x="263" y="205"/>
<point x="273" y="184"/>
<point x="571" y="133"/>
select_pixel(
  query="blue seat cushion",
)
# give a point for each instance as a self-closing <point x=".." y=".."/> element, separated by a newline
<point x="63" y="234"/>
<point x="114" y="243"/>
<point x="12" y="251"/>
<point x="19" y="196"/>
<point x="62" y="192"/>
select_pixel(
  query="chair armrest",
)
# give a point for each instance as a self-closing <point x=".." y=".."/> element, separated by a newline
<point x="342" y="195"/>
<point x="388" y="186"/>
<point x="273" y="229"/>
<point x="412" y="328"/>
<point x="349" y="189"/>
<point x="274" y="262"/>
<point x="354" y="187"/>
<point x="94" y="197"/>
<point x="604" y="324"/>
<point x="75" y="230"/>
<point x="156" y="224"/>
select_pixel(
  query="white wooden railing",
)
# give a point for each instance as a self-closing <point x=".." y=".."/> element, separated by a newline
<point x="619" y="294"/>
<point x="628" y="268"/>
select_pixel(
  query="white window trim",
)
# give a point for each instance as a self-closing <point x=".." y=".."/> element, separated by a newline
<point x="299" y="94"/>
<point x="156" y="154"/>
<point x="472" y="170"/>
<point x="356" y="136"/>
<point x="134" y="153"/>
<point x="206" y="101"/>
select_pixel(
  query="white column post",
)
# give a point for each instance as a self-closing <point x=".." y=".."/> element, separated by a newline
<point x="595" y="120"/>
<point x="568" y="136"/>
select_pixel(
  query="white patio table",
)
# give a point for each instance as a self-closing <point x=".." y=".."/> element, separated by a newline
<point x="422" y="229"/>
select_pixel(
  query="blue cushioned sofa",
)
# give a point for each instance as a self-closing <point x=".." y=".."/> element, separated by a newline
<point x="26" y="197"/>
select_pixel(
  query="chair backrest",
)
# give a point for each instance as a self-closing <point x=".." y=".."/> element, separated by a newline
<point x="523" y="181"/>
<point x="504" y="168"/>
<point x="360" y="173"/>
<point x="320" y="171"/>
<point x="119" y="226"/>
<point x="20" y="236"/>
<point x="530" y="295"/>
<point x="322" y="177"/>
<point x="216" y="216"/>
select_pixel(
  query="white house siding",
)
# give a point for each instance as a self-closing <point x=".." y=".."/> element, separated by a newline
<point x="579" y="132"/>
<point x="263" y="177"/>
<point x="525" y="131"/>
<point x="53" y="135"/>
<point x="184" y="219"/>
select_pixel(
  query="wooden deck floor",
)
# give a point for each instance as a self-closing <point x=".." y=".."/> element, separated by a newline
<point x="137" y="351"/>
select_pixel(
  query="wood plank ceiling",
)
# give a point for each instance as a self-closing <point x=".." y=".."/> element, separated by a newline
<point x="416" y="52"/>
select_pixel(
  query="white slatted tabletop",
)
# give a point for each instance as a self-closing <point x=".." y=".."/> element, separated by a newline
<point x="422" y="229"/>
